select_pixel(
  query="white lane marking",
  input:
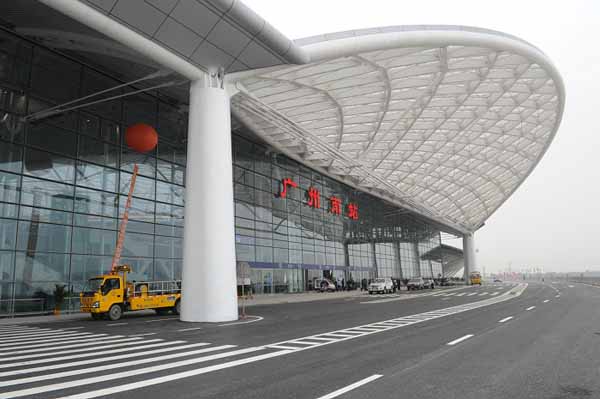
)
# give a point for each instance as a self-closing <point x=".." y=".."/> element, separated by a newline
<point x="258" y="318"/>
<point x="113" y="344"/>
<point x="504" y="320"/>
<point x="190" y="329"/>
<point x="547" y="300"/>
<point x="571" y="286"/>
<point x="36" y="334"/>
<point x="557" y="296"/>
<point x="141" y="335"/>
<point x="27" y="345"/>
<point x="30" y="341"/>
<point x="446" y="299"/>
<point x="129" y="373"/>
<point x="495" y="293"/>
<point x="100" y="359"/>
<point x="483" y="293"/>
<point x="116" y="324"/>
<point x="165" y="319"/>
<point x="115" y="338"/>
<point x="461" y="294"/>
<point x="450" y="294"/>
<point x="461" y="339"/>
<point x="82" y="355"/>
<point x="472" y="293"/>
<point x="172" y="377"/>
<point x="530" y="308"/>
<point x="351" y="387"/>
<point x="79" y="371"/>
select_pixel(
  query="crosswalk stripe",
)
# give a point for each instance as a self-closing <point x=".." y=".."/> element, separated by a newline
<point x="461" y="294"/>
<point x="46" y="339"/>
<point x="494" y="293"/>
<point x="91" y="338"/>
<point x="130" y="373"/>
<point x="37" y="334"/>
<point x="100" y="360"/>
<point x="113" y="344"/>
<point x="114" y="338"/>
<point x="28" y="333"/>
<point x="483" y="293"/>
<point x="176" y="376"/>
<point x="79" y="371"/>
<point x="82" y="355"/>
<point x="472" y="293"/>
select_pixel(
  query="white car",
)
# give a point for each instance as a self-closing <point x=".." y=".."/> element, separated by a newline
<point x="415" y="284"/>
<point x="381" y="285"/>
<point x="324" y="285"/>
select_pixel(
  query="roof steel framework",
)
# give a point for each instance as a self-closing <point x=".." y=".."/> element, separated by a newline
<point x="445" y="121"/>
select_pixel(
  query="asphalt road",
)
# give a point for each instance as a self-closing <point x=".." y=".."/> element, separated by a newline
<point x="498" y="341"/>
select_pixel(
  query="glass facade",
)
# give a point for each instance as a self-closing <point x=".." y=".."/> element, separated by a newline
<point x="64" y="182"/>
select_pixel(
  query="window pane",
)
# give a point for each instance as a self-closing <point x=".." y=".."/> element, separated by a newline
<point x="10" y="157"/>
<point x="8" y="233"/>
<point x="93" y="241"/>
<point x="52" y="138"/>
<point x="96" y="202"/>
<point x="136" y="245"/>
<point x="46" y="194"/>
<point x="94" y="176"/>
<point x="42" y="267"/>
<point x="97" y="151"/>
<point x="42" y="237"/>
<point x="48" y="166"/>
<point x="169" y="193"/>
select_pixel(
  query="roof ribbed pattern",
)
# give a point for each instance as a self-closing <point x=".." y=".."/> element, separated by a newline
<point x="449" y="131"/>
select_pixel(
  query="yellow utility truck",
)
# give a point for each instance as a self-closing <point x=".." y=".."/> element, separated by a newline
<point x="111" y="294"/>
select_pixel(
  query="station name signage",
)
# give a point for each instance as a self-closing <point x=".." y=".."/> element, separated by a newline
<point x="313" y="199"/>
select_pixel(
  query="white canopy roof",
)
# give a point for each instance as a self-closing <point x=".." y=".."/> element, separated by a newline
<point x="446" y="121"/>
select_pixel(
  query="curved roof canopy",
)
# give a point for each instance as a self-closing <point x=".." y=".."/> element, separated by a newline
<point x="446" y="121"/>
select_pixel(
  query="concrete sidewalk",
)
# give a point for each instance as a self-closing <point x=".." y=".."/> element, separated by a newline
<point x="262" y="299"/>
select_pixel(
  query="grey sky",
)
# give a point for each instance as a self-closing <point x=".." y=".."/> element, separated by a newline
<point x="552" y="220"/>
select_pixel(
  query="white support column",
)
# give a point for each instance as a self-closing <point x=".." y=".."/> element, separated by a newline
<point x="209" y="267"/>
<point x="469" y="256"/>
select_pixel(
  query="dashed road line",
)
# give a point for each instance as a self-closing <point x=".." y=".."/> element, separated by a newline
<point x="351" y="387"/>
<point x="116" y="324"/>
<point x="504" y="320"/>
<point x="547" y="300"/>
<point x="530" y="308"/>
<point x="461" y="339"/>
<point x="155" y="320"/>
<point x="190" y="329"/>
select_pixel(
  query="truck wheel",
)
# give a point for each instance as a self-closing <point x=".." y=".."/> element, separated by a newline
<point x="177" y="307"/>
<point x="115" y="312"/>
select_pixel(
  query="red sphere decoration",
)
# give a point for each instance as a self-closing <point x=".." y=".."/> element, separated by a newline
<point x="141" y="137"/>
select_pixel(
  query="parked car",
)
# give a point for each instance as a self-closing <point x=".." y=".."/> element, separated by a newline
<point x="415" y="284"/>
<point x="428" y="283"/>
<point x="381" y="285"/>
<point x="324" y="285"/>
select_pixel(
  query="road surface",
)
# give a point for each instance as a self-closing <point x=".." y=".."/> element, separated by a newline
<point x="508" y="340"/>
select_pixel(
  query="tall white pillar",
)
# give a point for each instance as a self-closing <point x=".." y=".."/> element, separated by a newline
<point x="209" y="292"/>
<point x="469" y="256"/>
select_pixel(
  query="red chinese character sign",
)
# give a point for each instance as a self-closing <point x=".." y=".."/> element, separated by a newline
<point x="285" y="183"/>
<point x="314" y="198"/>
<point x="353" y="211"/>
<point x="335" y="205"/>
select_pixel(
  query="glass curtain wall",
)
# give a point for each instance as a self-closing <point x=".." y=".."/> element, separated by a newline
<point x="64" y="182"/>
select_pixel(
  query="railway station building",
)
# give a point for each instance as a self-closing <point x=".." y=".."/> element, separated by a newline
<point x="346" y="155"/>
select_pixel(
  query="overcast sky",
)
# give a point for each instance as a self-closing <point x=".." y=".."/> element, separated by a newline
<point x="552" y="220"/>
